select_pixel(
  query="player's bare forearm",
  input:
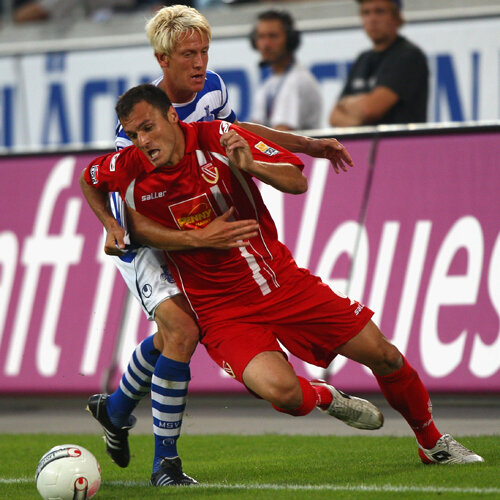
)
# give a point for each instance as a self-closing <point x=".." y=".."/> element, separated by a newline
<point x="293" y="142"/>
<point x="222" y="233"/>
<point x="98" y="201"/>
<point x="328" y="148"/>
<point x="283" y="176"/>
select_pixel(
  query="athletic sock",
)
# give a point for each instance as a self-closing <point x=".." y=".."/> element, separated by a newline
<point x="324" y="397"/>
<point x="309" y="400"/>
<point x="168" y="396"/>
<point x="135" y="383"/>
<point x="406" y="393"/>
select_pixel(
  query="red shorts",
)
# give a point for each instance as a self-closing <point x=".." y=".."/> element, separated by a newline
<point x="304" y="314"/>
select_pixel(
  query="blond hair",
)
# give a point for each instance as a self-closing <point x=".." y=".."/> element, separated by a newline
<point x="170" y="23"/>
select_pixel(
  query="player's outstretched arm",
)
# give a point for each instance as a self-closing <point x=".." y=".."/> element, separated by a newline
<point x="221" y="234"/>
<point x="285" y="177"/>
<point x="99" y="203"/>
<point x="328" y="148"/>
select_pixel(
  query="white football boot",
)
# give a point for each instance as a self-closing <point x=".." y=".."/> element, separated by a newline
<point x="353" y="411"/>
<point x="448" y="451"/>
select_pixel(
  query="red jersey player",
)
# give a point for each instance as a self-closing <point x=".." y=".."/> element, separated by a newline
<point x="246" y="298"/>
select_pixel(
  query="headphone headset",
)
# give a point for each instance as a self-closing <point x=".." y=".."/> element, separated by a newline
<point x="292" y="35"/>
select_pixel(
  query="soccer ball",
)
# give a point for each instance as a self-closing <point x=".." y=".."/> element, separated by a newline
<point x="68" y="472"/>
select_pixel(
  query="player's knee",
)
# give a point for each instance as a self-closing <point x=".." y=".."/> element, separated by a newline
<point x="179" y="335"/>
<point x="183" y="340"/>
<point x="285" y="395"/>
<point x="389" y="360"/>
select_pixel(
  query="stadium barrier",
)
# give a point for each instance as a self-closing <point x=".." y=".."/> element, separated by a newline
<point x="412" y="231"/>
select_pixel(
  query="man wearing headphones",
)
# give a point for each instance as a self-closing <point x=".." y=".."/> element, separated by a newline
<point x="290" y="98"/>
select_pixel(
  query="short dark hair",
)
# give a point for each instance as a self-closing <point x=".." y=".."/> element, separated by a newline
<point x="398" y="4"/>
<point x="277" y="15"/>
<point x="146" y="92"/>
<point x="286" y="19"/>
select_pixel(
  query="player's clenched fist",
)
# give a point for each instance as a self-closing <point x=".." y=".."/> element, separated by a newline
<point x="237" y="150"/>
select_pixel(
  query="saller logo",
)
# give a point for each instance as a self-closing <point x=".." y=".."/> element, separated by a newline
<point x="153" y="196"/>
<point x="267" y="150"/>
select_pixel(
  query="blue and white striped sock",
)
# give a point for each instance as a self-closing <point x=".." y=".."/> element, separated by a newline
<point x="168" y="394"/>
<point x="135" y="383"/>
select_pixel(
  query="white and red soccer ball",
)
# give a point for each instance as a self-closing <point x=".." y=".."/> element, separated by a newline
<point x="68" y="472"/>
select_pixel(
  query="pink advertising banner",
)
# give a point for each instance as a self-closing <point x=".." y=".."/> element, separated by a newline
<point x="59" y="307"/>
<point x="415" y="236"/>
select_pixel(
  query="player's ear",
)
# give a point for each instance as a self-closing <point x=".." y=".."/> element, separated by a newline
<point x="162" y="59"/>
<point x="172" y="115"/>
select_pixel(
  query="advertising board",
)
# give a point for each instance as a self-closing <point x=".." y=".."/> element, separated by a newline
<point x="412" y="231"/>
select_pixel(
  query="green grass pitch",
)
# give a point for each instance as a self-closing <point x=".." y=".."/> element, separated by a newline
<point x="269" y="467"/>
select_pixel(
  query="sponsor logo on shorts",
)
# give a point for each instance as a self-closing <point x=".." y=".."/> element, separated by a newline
<point x="166" y="275"/>
<point x="94" y="169"/>
<point x="147" y="290"/>
<point x="227" y="368"/>
<point x="358" y="309"/>
<point x="267" y="150"/>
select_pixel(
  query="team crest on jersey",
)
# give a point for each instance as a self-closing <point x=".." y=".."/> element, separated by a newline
<point x="209" y="117"/>
<point x="224" y="127"/>
<point x="210" y="173"/>
<point x="94" y="169"/>
<point x="267" y="150"/>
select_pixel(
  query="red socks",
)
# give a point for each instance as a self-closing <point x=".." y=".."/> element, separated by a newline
<point x="406" y="393"/>
<point x="323" y="396"/>
<point x="309" y="400"/>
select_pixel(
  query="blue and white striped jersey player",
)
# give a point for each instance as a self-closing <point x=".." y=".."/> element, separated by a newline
<point x="180" y="37"/>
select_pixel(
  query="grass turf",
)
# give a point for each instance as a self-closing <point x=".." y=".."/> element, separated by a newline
<point x="269" y="466"/>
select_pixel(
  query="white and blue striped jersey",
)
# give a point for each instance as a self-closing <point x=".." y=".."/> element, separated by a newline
<point x="211" y="103"/>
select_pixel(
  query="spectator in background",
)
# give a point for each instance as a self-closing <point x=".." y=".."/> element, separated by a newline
<point x="290" y="98"/>
<point x="41" y="10"/>
<point x="389" y="83"/>
<point x="25" y="11"/>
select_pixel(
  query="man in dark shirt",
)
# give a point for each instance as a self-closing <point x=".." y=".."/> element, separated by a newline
<point x="389" y="83"/>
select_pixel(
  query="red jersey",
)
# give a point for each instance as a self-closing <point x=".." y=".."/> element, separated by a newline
<point x="191" y="194"/>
